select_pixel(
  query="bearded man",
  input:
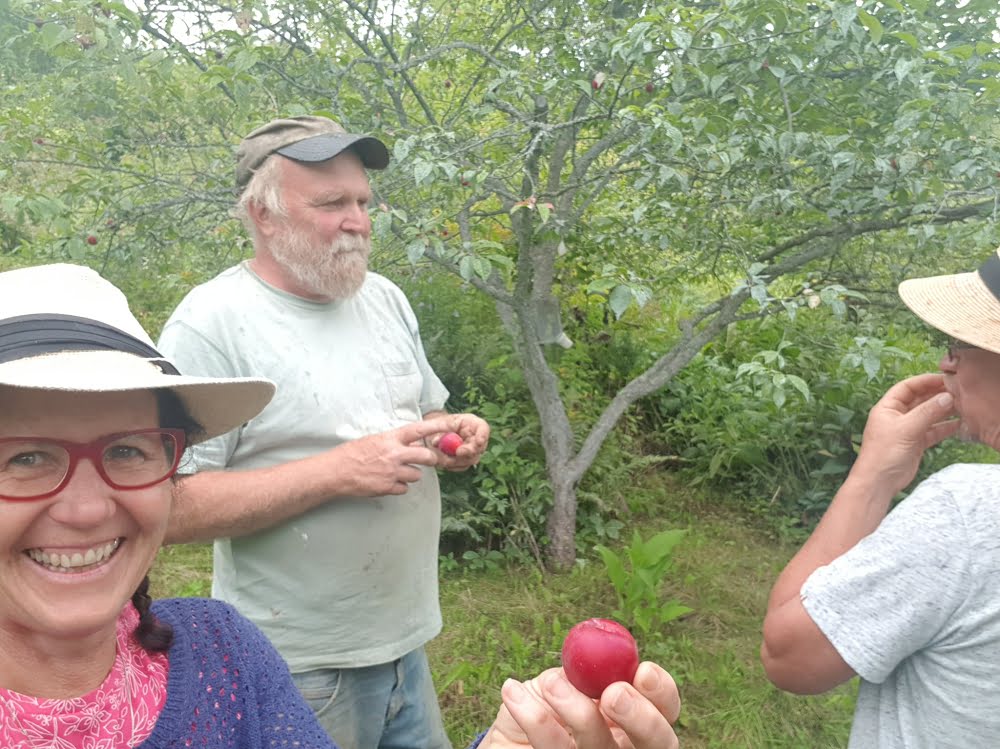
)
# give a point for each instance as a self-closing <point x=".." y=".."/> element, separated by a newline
<point x="325" y="509"/>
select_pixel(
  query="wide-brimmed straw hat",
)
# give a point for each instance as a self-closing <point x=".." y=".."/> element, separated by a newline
<point x="63" y="327"/>
<point x="966" y="306"/>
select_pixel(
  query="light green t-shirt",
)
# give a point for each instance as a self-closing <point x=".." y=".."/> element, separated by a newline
<point x="353" y="582"/>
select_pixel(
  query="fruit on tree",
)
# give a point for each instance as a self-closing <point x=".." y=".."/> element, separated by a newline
<point x="449" y="443"/>
<point x="91" y="239"/>
<point x="598" y="652"/>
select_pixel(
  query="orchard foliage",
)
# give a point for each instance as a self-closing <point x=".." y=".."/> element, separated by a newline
<point x="592" y="167"/>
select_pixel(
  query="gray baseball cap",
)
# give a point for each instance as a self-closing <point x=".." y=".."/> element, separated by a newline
<point x="306" y="138"/>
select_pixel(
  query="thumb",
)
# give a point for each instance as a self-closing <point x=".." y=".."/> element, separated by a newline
<point x="940" y="406"/>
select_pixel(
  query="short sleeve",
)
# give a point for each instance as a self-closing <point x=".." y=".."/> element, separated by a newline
<point x="196" y="355"/>
<point x="896" y="591"/>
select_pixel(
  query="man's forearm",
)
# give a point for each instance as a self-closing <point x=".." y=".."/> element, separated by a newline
<point x="220" y="504"/>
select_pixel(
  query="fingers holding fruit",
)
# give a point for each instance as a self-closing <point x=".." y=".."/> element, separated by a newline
<point x="465" y="445"/>
<point x="449" y="443"/>
<point x="638" y="721"/>
<point x="549" y="713"/>
<point x="602" y="698"/>
<point x="601" y="659"/>
<point x="654" y="683"/>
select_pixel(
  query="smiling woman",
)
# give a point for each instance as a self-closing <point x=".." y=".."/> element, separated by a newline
<point x="93" y="424"/>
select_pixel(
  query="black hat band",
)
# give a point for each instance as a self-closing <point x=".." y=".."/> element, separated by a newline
<point x="35" y="335"/>
<point x="989" y="272"/>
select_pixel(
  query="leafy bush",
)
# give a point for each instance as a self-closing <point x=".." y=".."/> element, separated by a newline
<point x="773" y="414"/>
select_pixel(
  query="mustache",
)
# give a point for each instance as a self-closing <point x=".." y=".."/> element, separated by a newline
<point x="350" y="243"/>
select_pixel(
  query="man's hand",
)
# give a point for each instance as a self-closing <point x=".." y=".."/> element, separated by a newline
<point x="388" y="462"/>
<point x="547" y="712"/>
<point x="912" y="416"/>
<point x="475" y="434"/>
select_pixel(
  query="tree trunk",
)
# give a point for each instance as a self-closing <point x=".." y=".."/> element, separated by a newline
<point x="561" y="524"/>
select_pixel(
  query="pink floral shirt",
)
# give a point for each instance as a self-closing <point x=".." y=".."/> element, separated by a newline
<point x="119" y="713"/>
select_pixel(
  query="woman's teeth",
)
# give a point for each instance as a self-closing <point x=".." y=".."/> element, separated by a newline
<point x="68" y="562"/>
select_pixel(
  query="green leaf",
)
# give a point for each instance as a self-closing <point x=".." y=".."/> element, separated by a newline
<point x="903" y="67"/>
<point x="673" y="610"/>
<point x="422" y="171"/>
<point x="54" y="34"/>
<point x="799" y="384"/>
<point x="415" y="250"/>
<point x="381" y="224"/>
<point x="871" y="23"/>
<point x="466" y="267"/>
<point x="482" y="267"/>
<point x="616" y="571"/>
<point x="662" y="544"/>
<point x="620" y="299"/>
<point x="778" y="396"/>
<point x="681" y="36"/>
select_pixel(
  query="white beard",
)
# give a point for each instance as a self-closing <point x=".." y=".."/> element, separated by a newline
<point x="335" y="271"/>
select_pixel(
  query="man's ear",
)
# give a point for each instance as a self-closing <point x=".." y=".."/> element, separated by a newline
<point x="262" y="217"/>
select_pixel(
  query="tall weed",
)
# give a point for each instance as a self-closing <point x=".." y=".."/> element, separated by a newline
<point x="638" y="575"/>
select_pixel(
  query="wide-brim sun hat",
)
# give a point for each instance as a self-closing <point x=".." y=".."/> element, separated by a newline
<point x="65" y="328"/>
<point x="965" y="306"/>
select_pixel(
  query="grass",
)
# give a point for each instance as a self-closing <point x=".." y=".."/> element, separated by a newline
<point x="510" y="621"/>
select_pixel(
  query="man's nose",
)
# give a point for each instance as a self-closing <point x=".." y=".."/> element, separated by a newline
<point x="948" y="363"/>
<point x="357" y="221"/>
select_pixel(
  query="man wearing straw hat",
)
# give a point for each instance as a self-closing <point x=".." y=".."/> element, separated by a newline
<point x="909" y="600"/>
<point x="326" y="522"/>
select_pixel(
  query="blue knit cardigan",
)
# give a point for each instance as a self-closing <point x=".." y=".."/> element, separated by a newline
<point x="227" y="686"/>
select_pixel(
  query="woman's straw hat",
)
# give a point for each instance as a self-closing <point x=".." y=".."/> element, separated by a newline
<point x="63" y="327"/>
<point x="966" y="306"/>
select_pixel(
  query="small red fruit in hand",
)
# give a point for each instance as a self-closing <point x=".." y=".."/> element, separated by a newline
<point x="598" y="652"/>
<point x="449" y="443"/>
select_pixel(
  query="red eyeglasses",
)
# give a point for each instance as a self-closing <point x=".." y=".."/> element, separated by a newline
<point x="38" y="467"/>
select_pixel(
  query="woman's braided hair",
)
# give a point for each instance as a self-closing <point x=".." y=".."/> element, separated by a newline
<point x="152" y="634"/>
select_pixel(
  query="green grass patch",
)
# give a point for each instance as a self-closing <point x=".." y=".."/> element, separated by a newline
<point x="509" y="622"/>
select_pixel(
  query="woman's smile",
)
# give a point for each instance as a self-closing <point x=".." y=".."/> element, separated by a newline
<point x="76" y="560"/>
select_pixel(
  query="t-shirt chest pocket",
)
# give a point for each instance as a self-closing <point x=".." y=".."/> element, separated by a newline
<point x="404" y="384"/>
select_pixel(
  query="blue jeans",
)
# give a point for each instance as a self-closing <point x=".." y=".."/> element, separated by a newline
<point x="388" y="706"/>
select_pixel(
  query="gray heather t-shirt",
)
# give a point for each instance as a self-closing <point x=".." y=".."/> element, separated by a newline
<point x="353" y="582"/>
<point x="914" y="609"/>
